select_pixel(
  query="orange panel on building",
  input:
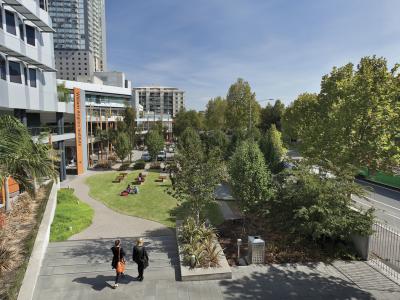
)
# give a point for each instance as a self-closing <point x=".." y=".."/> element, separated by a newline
<point x="13" y="188"/>
<point x="78" y="131"/>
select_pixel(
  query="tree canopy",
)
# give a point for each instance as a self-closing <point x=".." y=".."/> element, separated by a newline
<point x="271" y="146"/>
<point x="154" y="143"/>
<point x="272" y="114"/>
<point x="355" y="119"/>
<point x="185" y="119"/>
<point x="122" y="145"/>
<point x="215" y="115"/>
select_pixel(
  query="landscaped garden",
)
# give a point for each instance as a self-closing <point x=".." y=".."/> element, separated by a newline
<point x="72" y="216"/>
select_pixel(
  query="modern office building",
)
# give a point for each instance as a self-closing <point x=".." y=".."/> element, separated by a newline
<point x="28" y="87"/>
<point x="160" y="100"/>
<point x="80" y="38"/>
<point x="104" y="105"/>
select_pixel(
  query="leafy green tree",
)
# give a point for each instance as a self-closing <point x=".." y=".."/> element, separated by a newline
<point x="130" y="128"/>
<point x="272" y="114"/>
<point x="357" y="117"/>
<point x="122" y="145"/>
<point x="154" y="143"/>
<point x="215" y="115"/>
<point x="216" y="141"/>
<point x="300" y="116"/>
<point x="21" y="158"/>
<point x="197" y="174"/>
<point x="243" y="111"/>
<point x="251" y="179"/>
<point x="185" y="119"/>
<point x="316" y="205"/>
<point x="271" y="146"/>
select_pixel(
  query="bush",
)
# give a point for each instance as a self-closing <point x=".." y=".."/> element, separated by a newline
<point x="139" y="165"/>
<point x="124" y="166"/>
<point x="104" y="164"/>
<point x="200" y="241"/>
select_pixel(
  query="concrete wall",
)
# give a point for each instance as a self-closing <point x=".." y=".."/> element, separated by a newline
<point x="361" y="244"/>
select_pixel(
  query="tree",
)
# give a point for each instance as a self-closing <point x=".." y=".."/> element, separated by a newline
<point x="21" y="158"/>
<point x="272" y="115"/>
<point x="215" y="114"/>
<point x="271" y="146"/>
<point x="197" y="174"/>
<point x="243" y="111"/>
<point x="299" y="116"/>
<point x="356" y="118"/>
<point x="122" y="145"/>
<point x="317" y="205"/>
<point x="63" y="93"/>
<point x="185" y="119"/>
<point x="251" y="179"/>
<point x="216" y="141"/>
<point x="154" y="143"/>
<point x="130" y="128"/>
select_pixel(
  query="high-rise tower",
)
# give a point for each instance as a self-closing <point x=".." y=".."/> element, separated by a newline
<point x="80" y="38"/>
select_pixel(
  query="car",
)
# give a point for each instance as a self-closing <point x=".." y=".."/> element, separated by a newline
<point x="146" y="156"/>
<point x="161" y="156"/>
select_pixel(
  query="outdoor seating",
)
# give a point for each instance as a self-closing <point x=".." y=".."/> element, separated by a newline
<point x="118" y="179"/>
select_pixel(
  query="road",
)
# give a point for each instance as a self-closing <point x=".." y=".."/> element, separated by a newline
<point x="385" y="201"/>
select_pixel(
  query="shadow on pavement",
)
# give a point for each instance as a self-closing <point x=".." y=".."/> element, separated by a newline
<point x="101" y="282"/>
<point x="286" y="284"/>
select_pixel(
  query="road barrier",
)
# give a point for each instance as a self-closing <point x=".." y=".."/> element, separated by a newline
<point x="384" y="249"/>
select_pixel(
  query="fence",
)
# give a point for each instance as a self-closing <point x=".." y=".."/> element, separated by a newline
<point x="384" y="249"/>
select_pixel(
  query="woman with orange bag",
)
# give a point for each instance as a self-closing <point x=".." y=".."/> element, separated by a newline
<point x="118" y="261"/>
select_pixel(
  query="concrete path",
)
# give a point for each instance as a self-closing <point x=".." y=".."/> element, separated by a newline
<point x="81" y="270"/>
<point x="223" y="192"/>
<point x="227" y="212"/>
<point x="108" y="223"/>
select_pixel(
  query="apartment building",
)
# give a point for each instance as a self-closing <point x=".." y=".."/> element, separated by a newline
<point x="160" y="100"/>
<point x="80" y="38"/>
<point x="28" y="87"/>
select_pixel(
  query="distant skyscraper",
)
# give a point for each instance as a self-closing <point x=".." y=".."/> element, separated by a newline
<point x="80" y="38"/>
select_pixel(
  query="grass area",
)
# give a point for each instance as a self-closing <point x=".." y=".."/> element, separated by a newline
<point x="379" y="177"/>
<point x="71" y="217"/>
<point x="152" y="203"/>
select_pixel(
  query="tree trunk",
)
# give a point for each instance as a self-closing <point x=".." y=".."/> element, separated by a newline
<point x="7" y="195"/>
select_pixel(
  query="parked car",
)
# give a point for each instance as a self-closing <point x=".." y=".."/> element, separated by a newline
<point x="161" y="156"/>
<point x="146" y="156"/>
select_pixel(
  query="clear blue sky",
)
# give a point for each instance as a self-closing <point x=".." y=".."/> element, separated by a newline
<point x="281" y="47"/>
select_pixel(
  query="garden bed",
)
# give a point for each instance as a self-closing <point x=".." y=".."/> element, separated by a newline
<point x="280" y="247"/>
<point x="223" y="271"/>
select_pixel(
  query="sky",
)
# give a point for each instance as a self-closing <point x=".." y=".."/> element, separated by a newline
<point x="281" y="47"/>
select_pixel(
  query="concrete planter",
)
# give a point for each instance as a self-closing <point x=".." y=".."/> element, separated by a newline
<point x="199" y="274"/>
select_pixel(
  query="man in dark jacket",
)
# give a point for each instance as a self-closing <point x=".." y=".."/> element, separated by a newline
<point x="139" y="256"/>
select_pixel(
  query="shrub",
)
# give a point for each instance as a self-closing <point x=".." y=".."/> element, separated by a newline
<point x="104" y="164"/>
<point x="200" y="241"/>
<point x="139" y="165"/>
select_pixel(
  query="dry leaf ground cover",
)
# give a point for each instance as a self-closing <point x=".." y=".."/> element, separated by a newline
<point x="17" y="237"/>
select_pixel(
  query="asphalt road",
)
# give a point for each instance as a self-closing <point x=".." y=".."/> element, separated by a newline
<point x="385" y="201"/>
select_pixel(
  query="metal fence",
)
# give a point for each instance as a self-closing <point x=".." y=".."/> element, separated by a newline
<point x="384" y="249"/>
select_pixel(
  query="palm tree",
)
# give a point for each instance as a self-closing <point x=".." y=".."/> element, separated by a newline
<point x="22" y="158"/>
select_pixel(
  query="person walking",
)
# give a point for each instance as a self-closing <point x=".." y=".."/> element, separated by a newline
<point x="139" y="256"/>
<point x="118" y="261"/>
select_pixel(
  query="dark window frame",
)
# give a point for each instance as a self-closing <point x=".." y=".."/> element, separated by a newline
<point x="33" y="77"/>
<point x="12" y="29"/>
<point x="30" y="40"/>
<point x="14" y="72"/>
<point x="3" y="68"/>
<point x="26" y="75"/>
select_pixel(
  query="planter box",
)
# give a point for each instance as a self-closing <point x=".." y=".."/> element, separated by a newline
<point x="198" y="274"/>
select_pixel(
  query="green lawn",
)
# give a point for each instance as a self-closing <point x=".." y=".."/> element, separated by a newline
<point x="152" y="203"/>
<point x="71" y="217"/>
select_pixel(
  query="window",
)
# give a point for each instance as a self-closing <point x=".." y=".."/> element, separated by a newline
<point x="42" y="4"/>
<point x="3" y="73"/>
<point x="10" y="23"/>
<point x="32" y="77"/>
<point x="15" y="71"/>
<point x="30" y="35"/>
<point x="21" y="29"/>
<point x="1" y="18"/>
<point x="26" y="75"/>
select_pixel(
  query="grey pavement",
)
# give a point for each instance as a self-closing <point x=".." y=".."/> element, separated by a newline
<point x="227" y="212"/>
<point x="223" y="192"/>
<point x="82" y="270"/>
<point x="108" y="223"/>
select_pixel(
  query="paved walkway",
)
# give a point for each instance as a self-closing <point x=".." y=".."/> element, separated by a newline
<point x="81" y="270"/>
<point x="108" y="223"/>
<point x="227" y="212"/>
